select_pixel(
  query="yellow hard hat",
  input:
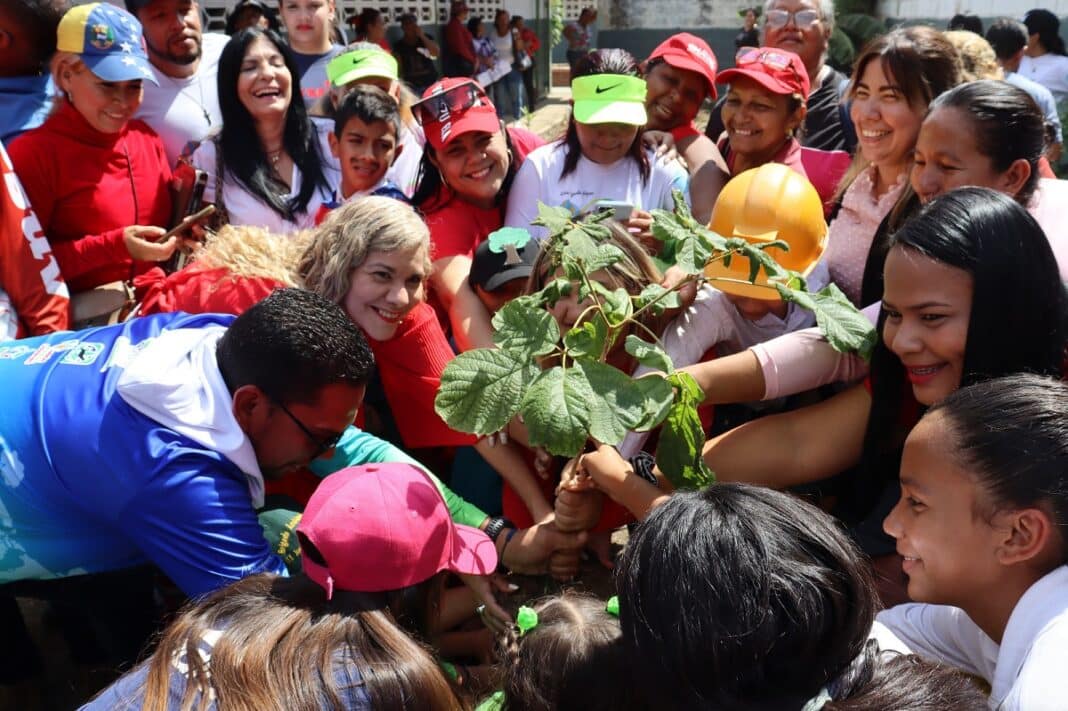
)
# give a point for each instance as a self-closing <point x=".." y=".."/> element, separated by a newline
<point x="762" y="204"/>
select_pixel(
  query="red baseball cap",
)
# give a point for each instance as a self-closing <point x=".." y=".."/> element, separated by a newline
<point x="454" y="106"/>
<point x="779" y="71"/>
<point x="691" y="53"/>
<point x="384" y="527"/>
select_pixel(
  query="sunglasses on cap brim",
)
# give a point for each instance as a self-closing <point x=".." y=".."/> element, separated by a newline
<point x="440" y="106"/>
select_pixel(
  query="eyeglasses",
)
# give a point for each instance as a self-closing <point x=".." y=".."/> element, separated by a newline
<point x="437" y="108"/>
<point x="767" y="57"/>
<point x="321" y="446"/>
<point x="802" y="18"/>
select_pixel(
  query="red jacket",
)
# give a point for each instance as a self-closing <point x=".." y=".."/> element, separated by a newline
<point x="87" y="187"/>
<point x="459" y="40"/>
<point x="28" y="271"/>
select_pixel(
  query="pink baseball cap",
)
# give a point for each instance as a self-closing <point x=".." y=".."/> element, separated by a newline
<point x="454" y="106"/>
<point x="691" y="53"/>
<point x="780" y="71"/>
<point x="384" y="527"/>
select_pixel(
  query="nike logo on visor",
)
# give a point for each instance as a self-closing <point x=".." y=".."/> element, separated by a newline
<point x="603" y="89"/>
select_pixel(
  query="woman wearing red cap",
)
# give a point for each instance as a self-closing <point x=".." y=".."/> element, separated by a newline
<point x="469" y="163"/>
<point x="679" y="75"/>
<point x="348" y="633"/>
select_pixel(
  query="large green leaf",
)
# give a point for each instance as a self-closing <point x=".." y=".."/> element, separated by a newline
<point x="587" y="339"/>
<point x="846" y="329"/>
<point x="648" y="354"/>
<point x="682" y="438"/>
<point x="618" y="403"/>
<point x="555" y="410"/>
<point x="659" y="298"/>
<point x="481" y="390"/>
<point x="555" y="219"/>
<point x="524" y="329"/>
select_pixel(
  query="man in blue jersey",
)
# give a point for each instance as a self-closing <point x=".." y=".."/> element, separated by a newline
<point x="149" y="443"/>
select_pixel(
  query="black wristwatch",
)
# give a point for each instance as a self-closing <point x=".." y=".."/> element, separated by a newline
<point x="496" y="525"/>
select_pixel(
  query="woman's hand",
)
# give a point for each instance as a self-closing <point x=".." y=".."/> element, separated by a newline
<point x="140" y="241"/>
<point x="662" y="144"/>
<point x="640" y="224"/>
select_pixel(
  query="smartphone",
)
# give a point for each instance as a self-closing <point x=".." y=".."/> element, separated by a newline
<point x="180" y="257"/>
<point x="621" y="211"/>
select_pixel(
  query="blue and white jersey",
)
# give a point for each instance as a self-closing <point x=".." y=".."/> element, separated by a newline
<point x="118" y="446"/>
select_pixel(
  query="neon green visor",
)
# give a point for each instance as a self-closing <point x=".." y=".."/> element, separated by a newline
<point x="609" y="98"/>
<point x="359" y="63"/>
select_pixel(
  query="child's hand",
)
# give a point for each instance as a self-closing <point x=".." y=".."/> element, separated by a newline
<point x="606" y="468"/>
<point x="483" y="586"/>
<point x="578" y="510"/>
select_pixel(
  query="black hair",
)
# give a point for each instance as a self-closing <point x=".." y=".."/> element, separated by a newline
<point x="1016" y="285"/>
<point x="1011" y="435"/>
<point x="905" y="681"/>
<point x="1007" y="37"/>
<point x="604" y="61"/>
<point x="573" y="660"/>
<point x="472" y="24"/>
<point x="242" y="154"/>
<point x="966" y="21"/>
<point x="367" y="17"/>
<point x="369" y="104"/>
<point x="264" y="10"/>
<point x="291" y="345"/>
<point x="919" y="59"/>
<point x="1006" y="123"/>
<point x="38" y="21"/>
<point x="428" y="187"/>
<point x="741" y="597"/>
<point x="1048" y="28"/>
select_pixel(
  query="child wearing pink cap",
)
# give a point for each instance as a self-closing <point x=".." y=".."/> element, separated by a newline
<point x="375" y="541"/>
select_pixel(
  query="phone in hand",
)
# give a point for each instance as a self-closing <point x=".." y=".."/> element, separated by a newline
<point x="181" y="256"/>
<point x="621" y="211"/>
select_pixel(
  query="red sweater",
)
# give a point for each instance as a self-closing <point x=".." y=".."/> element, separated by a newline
<point x="459" y="40"/>
<point x="87" y="187"/>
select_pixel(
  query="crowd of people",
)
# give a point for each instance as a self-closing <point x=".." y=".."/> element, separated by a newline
<point x="233" y="270"/>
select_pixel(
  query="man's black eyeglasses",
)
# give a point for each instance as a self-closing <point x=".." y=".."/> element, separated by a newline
<point x="321" y="445"/>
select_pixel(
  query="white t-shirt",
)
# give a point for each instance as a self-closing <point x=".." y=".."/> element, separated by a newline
<point x="712" y="321"/>
<point x="185" y="110"/>
<point x="404" y="173"/>
<point x="1026" y="671"/>
<point x="539" y="179"/>
<point x="244" y="208"/>
<point x="1050" y="70"/>
<point x="505" y="45"/>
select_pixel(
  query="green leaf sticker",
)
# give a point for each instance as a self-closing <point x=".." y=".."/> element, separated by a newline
<point x="481" y="390"/>
<point x="525" y="331"/>
<point x="648" y="354"/>
<point x="846" y="329"/>
<point x="509" y="240"/>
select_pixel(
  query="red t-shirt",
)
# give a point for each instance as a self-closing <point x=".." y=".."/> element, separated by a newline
<point x="684" y="131"/>
<point x="87" y="187"/>
<point x="458" y="227"/>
